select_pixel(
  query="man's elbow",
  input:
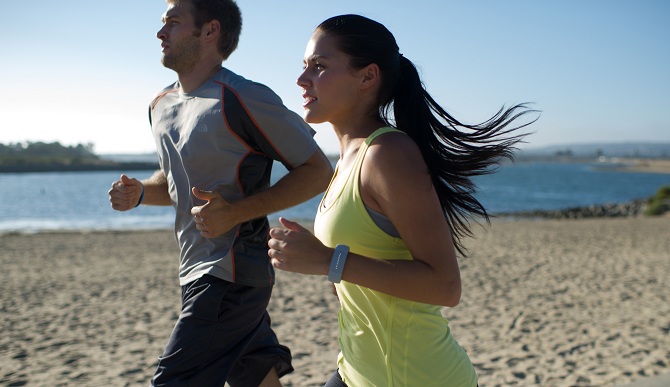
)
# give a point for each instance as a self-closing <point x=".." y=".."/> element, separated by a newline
<point x="322" y="170"/>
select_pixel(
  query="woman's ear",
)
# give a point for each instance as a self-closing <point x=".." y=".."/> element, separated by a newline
<point x="369" y="76"/>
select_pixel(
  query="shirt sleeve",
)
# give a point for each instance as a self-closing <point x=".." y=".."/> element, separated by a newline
<point x="258" y="116"/>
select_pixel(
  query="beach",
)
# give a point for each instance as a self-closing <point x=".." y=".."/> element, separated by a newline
<point x="630" y="164"/>
<point x="548" y="303"/>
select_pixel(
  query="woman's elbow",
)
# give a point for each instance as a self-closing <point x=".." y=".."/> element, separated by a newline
<point x="451" y="294"/>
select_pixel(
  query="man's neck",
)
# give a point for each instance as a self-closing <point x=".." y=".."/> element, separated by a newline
<point x="198" y="76"/>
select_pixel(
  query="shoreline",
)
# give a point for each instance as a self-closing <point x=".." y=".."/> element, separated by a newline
<point x="629" y="209"/>
<point x="641" y="165"/>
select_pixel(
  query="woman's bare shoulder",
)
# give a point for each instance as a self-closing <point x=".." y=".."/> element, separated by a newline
<point x="395" y="150"/>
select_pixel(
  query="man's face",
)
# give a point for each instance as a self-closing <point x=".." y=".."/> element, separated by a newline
<point x="180" y="44"/>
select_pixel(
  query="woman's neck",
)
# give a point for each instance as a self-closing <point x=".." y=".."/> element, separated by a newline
<point x="352" y="135"/>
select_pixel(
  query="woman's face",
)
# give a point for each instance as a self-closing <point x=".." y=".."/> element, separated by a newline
<point x="329" y="86"/>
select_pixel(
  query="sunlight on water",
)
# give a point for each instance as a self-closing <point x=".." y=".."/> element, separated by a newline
<point x="33" y="202"/>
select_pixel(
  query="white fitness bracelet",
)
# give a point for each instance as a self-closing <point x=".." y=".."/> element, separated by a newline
<point x="337" y="263"/>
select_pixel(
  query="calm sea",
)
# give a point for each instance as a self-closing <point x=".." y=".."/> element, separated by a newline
<point x="33" y="202"/>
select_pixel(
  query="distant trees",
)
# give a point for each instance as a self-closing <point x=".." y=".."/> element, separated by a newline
<point x="48" y="157"/>
<point x="564" y="153"/>
<point x="42" y="153"/>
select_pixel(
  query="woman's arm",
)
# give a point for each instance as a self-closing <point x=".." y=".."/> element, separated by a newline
<point x="395" y="182"/>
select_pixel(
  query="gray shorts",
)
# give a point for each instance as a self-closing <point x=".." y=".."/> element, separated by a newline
<point x="223" y="335"/>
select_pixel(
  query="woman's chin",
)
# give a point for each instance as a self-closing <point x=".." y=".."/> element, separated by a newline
<point x="312" y="119"/>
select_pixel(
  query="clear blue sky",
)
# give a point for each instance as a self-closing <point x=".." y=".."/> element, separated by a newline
<point x="82" y="71"/>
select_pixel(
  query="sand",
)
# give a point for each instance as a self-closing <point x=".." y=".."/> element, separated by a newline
<point x="642" y="165"/>
<point x="549" y="303"/>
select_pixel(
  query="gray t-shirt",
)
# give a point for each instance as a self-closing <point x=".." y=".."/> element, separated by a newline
<point x="224" y="137"/>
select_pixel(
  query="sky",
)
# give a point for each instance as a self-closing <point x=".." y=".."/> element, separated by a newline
<point x="82" y="71"/>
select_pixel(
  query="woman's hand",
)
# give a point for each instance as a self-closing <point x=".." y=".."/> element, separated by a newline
<point x="295" y="249"/>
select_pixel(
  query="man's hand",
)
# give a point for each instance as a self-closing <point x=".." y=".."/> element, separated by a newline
<point x="214" y="217"/>
<point x="125" y="193"/>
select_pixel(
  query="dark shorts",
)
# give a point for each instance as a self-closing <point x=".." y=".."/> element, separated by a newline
<point x="223" y="335"/>
<point x="335" y="381"/>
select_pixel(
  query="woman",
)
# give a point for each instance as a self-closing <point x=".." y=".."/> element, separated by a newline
<point x="390" y="224"/>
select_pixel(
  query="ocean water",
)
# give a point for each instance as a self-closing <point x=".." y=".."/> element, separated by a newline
<point x="34" y="202"/>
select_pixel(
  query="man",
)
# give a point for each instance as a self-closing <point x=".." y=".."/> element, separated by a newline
<point x="217" y="134"/>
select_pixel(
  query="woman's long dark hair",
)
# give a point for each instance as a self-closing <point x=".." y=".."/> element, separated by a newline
<point x="454" y="152"/>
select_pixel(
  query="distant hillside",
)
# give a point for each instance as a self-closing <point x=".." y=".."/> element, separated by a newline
<point x="42" y="157"/>
<point x="47" y="157"/>
<point x="593" y="150"/>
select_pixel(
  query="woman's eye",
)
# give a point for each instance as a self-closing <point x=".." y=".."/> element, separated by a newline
<point x="315" y="66"/>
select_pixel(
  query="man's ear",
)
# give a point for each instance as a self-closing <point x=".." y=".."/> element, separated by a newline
<point x="211" y="30"/>
<point x="369" y="76"/>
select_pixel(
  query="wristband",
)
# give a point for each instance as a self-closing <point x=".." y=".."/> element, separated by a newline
<point x="141" y="198"/>
<point x="337" y="263"/>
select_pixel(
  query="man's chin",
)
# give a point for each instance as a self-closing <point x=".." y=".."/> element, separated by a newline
<point x="167" y="63"/>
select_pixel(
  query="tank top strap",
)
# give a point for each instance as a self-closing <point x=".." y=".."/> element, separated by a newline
<point x="379" y="132"/>
<point x="354" y="176"/>
<point x="358" y="162"/>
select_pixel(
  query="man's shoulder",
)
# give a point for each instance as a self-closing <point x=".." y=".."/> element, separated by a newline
<point x="172" y="87"/>
<point x="169" y="90"/>
<point x="242" y="86"/>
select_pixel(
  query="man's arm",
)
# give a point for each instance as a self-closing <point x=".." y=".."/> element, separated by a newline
<point x="126" y="192"/>
<point x="302" y="183"/>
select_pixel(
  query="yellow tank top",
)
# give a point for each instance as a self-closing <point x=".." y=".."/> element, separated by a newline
<point x="385" y="341"/>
